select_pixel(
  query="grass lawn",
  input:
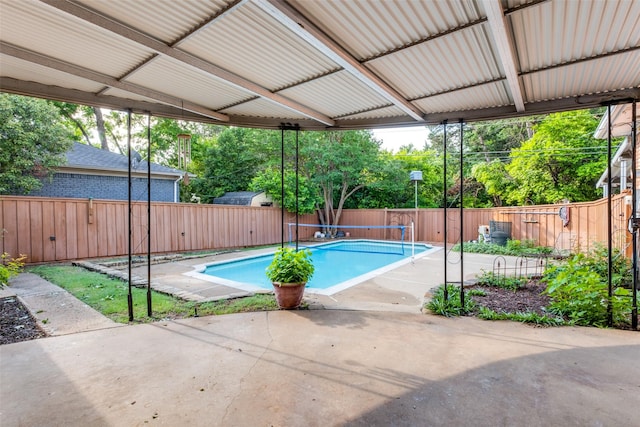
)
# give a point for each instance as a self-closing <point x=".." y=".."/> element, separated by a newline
<point x="109" y="297"/>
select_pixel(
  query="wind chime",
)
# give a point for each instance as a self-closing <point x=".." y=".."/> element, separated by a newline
<point x="184" y="150"/>
<point x="184" y="155"/>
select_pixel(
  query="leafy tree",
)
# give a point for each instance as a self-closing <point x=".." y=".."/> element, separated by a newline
<point x="430" y="188"/>
<point x="388" y="186"/>
<point x="33" y="142"/>
<point x="164" y="136"/>
<point x="338" y="164"/>
<point x="269" y="181"/>
<point x="336" y="169"/>
<point x="483" y="143"/>
<point x="86" y="120"/>
<point x="495" y="179"/>
<point x="475" y="194"/>
<point x="73" y="114"/>
<point x="452" y="183"/>
<point x="561" y="161"/>
<point x="230" y="163"/>
<point x="487" y="141"/>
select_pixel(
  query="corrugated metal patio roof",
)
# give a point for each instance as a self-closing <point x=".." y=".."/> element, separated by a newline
<point x="323" y="64"/>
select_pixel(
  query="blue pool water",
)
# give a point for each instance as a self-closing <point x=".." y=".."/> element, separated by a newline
<point x="337" y="265"/>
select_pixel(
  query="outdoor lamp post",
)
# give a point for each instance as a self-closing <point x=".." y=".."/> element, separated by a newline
<point x="415" y="176"/>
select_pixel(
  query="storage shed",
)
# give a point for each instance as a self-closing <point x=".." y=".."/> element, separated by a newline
<point x="244" y="198"/>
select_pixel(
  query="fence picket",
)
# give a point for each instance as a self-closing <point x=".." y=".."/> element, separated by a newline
<point x="47" y="229"/>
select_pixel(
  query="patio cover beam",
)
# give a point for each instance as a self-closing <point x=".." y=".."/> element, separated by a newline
<point x="504" y="43"/>
<point x="75" y="96"/>
<point x="56" y="64"/>
<point x="305" y="29"/>
<point x="185" y="58"/>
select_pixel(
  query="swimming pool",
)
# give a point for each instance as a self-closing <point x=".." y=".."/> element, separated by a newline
<point x="338" y="265"/>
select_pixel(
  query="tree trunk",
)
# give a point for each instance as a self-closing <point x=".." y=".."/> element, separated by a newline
<point x="484" y="149"/>
<point x="101" y="131"/>
<point x="115" y="140"/>
<point x="79" y="125"/>
<point x="530" y="130"/>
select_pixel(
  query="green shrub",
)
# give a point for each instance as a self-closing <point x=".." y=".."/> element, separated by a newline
<point x="451" y="306"/>
<point x="579" y="288"/>
<point x="524" y="317"/>
<point x="290" y="266"/>
<point x="513" y="248"/>
<point x="487" y="278"/>
<point x="597" y="261"/>
<point x="10" y="267"/>
<point x="476" y="293"/>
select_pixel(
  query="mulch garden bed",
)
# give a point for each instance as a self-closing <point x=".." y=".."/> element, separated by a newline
<point x="16" y="323"/>
<point x="527" y="298"/>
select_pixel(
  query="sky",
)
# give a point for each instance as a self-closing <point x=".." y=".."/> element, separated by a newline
<point x="394" y="138"/>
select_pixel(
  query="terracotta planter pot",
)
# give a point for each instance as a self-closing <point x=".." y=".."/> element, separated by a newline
<point x="288" y="295"/>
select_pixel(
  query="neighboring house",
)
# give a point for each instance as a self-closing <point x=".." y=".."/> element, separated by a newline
<point x="94" y="173"/>
<point x="621" y="173"/>
<point x="244" y="198"/>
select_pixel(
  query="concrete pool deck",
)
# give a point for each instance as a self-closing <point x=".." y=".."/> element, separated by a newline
<point x="365" y="362"/>
<point x="402" y="289"/>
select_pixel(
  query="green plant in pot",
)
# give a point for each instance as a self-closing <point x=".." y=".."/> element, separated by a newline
<point x="289" y="271"/>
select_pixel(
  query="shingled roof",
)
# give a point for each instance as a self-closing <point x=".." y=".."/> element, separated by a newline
<point x="240" y="198"/>
<point x="82" y="156"/>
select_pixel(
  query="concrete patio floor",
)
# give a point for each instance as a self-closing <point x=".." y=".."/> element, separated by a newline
<point x="324" y="368"/>
<point x="372" y="359"/>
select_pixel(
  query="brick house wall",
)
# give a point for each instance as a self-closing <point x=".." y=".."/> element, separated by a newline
<point x="105" y="187"/>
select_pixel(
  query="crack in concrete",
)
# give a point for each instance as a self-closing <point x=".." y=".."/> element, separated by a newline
<point x="256" y="359"/>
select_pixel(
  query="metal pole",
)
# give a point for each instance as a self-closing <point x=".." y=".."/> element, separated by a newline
<point x="297" y="184"/>
<point x="130" y="296"/>
<point x="413" y="243"/>
<point x="461" y="217"/>
<point x="149" y="306"/>
<point x="609" y="224"/>
<point x="634" y="201"/>
<point x="444" y="198"/>
<point x="415" y="221"/>
<point x="282" y="185"/>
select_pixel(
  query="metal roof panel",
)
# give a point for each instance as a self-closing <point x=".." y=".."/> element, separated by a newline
<point x="284" y="59"/>
<point x="585" y="77"/>
<point x="184" y="82"/>
<point x="379" y="113"/>
<point x="443" y="64"/>
<point x="262" y="108"/>
<point x="337" y="94"/>
<point x="22" y="70"/>
<point x="322" y="63"/>
<point x="161" y="21"/>
<point x="557" y="32"/>
<point x="371" y="28"/>
<point x="56" y="34"/>
<point x="485" y="96"/>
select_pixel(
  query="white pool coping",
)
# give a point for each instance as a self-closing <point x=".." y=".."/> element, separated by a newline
<point x="198" y="273"/>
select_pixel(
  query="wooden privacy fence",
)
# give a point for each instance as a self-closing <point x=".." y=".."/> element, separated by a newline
<point x="543" y="224"/>
<point x="47" y="229"/>
<point x="587" y="224"/>
<point x="66" y="229"/>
